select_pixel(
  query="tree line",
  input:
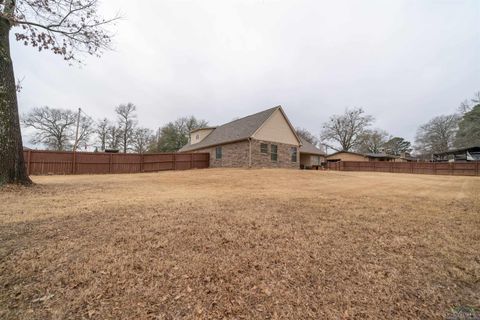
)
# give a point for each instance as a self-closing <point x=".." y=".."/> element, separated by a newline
<point x="352" y="131"/>
<point x="56" y="129"/>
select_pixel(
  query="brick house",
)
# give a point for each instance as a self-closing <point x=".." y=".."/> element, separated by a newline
<point x="265" y="139"/>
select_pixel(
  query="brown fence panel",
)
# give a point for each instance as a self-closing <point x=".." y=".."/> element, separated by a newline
<point x="91" y="163"/>
<point x="158" y="162"/>
<point x="58" y="162"/>
<point x="200" y="160"/>
<point x="440" y="168"/>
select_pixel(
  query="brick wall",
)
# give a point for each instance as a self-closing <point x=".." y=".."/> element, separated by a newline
<point x="284" y="158"/>
<point x="236" y="155"/>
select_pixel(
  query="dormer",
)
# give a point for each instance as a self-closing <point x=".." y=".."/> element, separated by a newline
<point x="198" y="135"/>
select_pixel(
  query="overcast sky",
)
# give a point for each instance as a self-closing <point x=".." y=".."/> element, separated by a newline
<point x="402" y="61"/>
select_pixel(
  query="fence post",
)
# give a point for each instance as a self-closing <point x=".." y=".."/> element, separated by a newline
<point x="29" y="164"/>
<point x="141" y="162"/>
<point x="174" y="161"/>
<point x="110" y="163"/>
<point x="342" y="166"/>
<point x="411" y="167"/>
<point x="191" y="161"/>
<point x="73" y="161"/>
<point x="452" y="168"/>
<point x="435" y="168"/>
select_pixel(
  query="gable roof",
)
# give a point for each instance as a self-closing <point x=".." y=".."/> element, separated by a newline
<point x="236" y="130"/>
<point x="309" y="148"/>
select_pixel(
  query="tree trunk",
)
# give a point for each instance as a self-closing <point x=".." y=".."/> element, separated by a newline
<point x="12" y="164"/>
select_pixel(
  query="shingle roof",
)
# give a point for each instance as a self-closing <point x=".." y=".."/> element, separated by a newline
<point x="237" y="130"/>
<point x="309" y="148"/>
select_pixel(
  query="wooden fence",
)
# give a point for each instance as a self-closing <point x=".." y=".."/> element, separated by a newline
<point x="443" y="168"/>
<point x="56" y="162"/>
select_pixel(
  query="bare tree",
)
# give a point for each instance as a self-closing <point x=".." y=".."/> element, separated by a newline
<point x="85" y="130"/>
<point x="56" y="128"/>
<point x="437" y="135"/>
<point x="114" y="136"/>
<point x="65" y="27"/>
<point x="126" y="122"/>
<point x="372" y="141"/>
<point x="307" y="135"/>
<point x="102" y="132"/>
<point x="346" y="129"/>
<point x="141" y="139"/>
<point x="53" y="127"/>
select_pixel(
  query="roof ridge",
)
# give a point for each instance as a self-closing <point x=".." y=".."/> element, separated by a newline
<point x="250" y="115"/>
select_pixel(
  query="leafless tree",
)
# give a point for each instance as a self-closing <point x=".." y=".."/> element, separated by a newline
<point x="346" y="129"/>
<point x="102" y="132"/>
<point x="127" y="123"/>
<point x="372" y="141"/>
<point x="114" y="136"/>
<point x="56" y="128"/>
<point x="85" y="130"/>
<point x="437" y="135"/>
<point x="307" y="135"/>
<point x="53" y="127"/>
<point x="66" y="28"/>
<point x="141" y="139"/>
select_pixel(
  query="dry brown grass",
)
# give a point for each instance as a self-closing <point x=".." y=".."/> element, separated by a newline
<point x="240" y="244"/>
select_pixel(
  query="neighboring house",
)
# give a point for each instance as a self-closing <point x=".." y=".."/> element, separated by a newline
<point x="462" y="155"/>
<point x="354" y="156"/>
<point x="310" y="155"/>
<point x="264" y="139"/>
<point x="346" y="156"/>
<point x="381" y="157"/>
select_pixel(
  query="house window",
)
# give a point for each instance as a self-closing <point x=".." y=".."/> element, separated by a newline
<point x="273" y="152"/>
<point x="264" y="148"/>
<point x="218" y="152"/>
<point x="197" y="137"/>
<point x="293" y="151"/>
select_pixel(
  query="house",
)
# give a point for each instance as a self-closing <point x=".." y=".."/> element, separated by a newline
<point x="355" y="156"/>
<point x="263" y="139"/>
<point x="346" y="156"/>
<point x="381" y="157"/>
<point x="310" y="155"/>
<point x="462" y="155"/>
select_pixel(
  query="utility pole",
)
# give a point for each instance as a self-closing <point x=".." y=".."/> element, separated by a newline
<point x="75" y="144"/>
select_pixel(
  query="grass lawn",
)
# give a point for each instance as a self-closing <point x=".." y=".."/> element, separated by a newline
<point x="226" y="243"/>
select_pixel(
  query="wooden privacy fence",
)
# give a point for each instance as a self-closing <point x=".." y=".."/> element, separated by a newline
<point x="444" y="168"/>
<point x="57" y="162"/>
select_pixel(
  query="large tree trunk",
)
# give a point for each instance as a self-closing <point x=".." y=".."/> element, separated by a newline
<point x="12" y="164"/>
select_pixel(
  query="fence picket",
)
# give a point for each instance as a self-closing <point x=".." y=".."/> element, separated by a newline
<point x="464" y="168"/>
<point x="66" y="162"/>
